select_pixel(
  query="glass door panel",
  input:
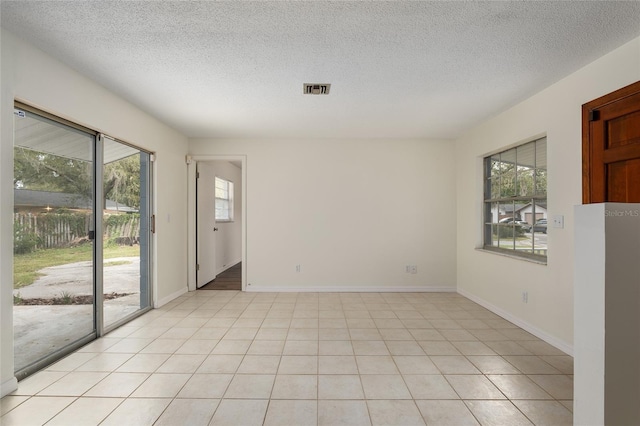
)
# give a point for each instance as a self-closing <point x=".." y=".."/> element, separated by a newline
<point x="54" y="289"/>
<point x="125" y="225"/>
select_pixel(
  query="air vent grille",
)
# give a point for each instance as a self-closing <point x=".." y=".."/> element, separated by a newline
<point x="316" y="88"/>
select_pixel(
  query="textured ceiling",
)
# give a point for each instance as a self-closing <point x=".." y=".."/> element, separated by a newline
<point x="397" y="69"/>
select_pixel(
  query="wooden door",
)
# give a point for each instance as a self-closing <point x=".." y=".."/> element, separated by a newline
<point x="611" y="147"/>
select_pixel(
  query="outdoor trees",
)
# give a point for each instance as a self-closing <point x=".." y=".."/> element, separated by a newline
<point x="41" y="171"/>
<point x="510" y="179"/>
<point x="122" y="181"/>
<point x="73" y="179"/>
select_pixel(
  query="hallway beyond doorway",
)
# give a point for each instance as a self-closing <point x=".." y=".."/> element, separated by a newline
<point x="231" y="279"/>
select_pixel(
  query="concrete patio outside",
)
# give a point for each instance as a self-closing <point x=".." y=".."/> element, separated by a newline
<point x="42" y="329"/>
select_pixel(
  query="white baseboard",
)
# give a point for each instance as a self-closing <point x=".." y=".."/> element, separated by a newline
<point x="552" y="340"/>
<point x="9" y="386"/>
<point x="350" y="289"/>
<point x="160" y="303"/>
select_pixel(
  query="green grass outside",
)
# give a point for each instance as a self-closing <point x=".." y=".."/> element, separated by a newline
<point x="25" y="266"/>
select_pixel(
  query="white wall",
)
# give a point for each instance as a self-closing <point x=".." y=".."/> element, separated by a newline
<point x="33" y="77"/>
<point x="229" y="238"/>
<point x="352" y="213"/>
<point x="499" y="281"/>
<point x="607" y="314"/>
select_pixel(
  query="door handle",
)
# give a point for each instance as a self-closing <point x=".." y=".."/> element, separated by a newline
<point x="92" y="235"/>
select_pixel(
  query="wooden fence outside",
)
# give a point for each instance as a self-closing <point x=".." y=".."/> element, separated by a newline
<point x="122" y="228"/>
<point x="60" y="230"/>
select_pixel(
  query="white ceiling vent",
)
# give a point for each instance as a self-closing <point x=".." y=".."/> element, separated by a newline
<point x="316" y="88"/>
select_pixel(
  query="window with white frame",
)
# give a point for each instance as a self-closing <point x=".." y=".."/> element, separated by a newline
<point x="515" y="201"/>
<point x="224" y="200"/>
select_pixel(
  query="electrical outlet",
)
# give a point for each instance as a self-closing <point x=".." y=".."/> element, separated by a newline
<point x="525" y="297"/>
<point x="298" y="268"/>
<point x="411" y="269"/>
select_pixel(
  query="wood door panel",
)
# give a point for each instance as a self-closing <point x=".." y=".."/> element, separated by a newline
<point x="624" y="130"/>
<point x="622" y="181"/>
<point x="617" y="154"/>
<point x="611" y="147"/>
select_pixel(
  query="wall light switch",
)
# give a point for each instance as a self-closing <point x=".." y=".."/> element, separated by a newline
<point x="558" y="221"/>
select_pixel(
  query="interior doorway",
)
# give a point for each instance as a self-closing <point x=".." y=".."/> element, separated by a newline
<point x="219" y="228"/>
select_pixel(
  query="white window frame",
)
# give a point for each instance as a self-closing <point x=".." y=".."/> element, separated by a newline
<point x="224" y="203"/>
<point x="493" y="198"/>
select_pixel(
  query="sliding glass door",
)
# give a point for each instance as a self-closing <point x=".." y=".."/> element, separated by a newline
<point x="54" y="231"/>
<point x="81" y="236"/>
<point x="126" y="189"/>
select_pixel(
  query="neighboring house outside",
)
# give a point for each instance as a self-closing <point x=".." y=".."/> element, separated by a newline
<point x="526" y="213"/>
<point x="522" y="212"/>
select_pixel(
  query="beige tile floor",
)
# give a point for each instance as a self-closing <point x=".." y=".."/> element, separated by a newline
<point x="232" y="358"/>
